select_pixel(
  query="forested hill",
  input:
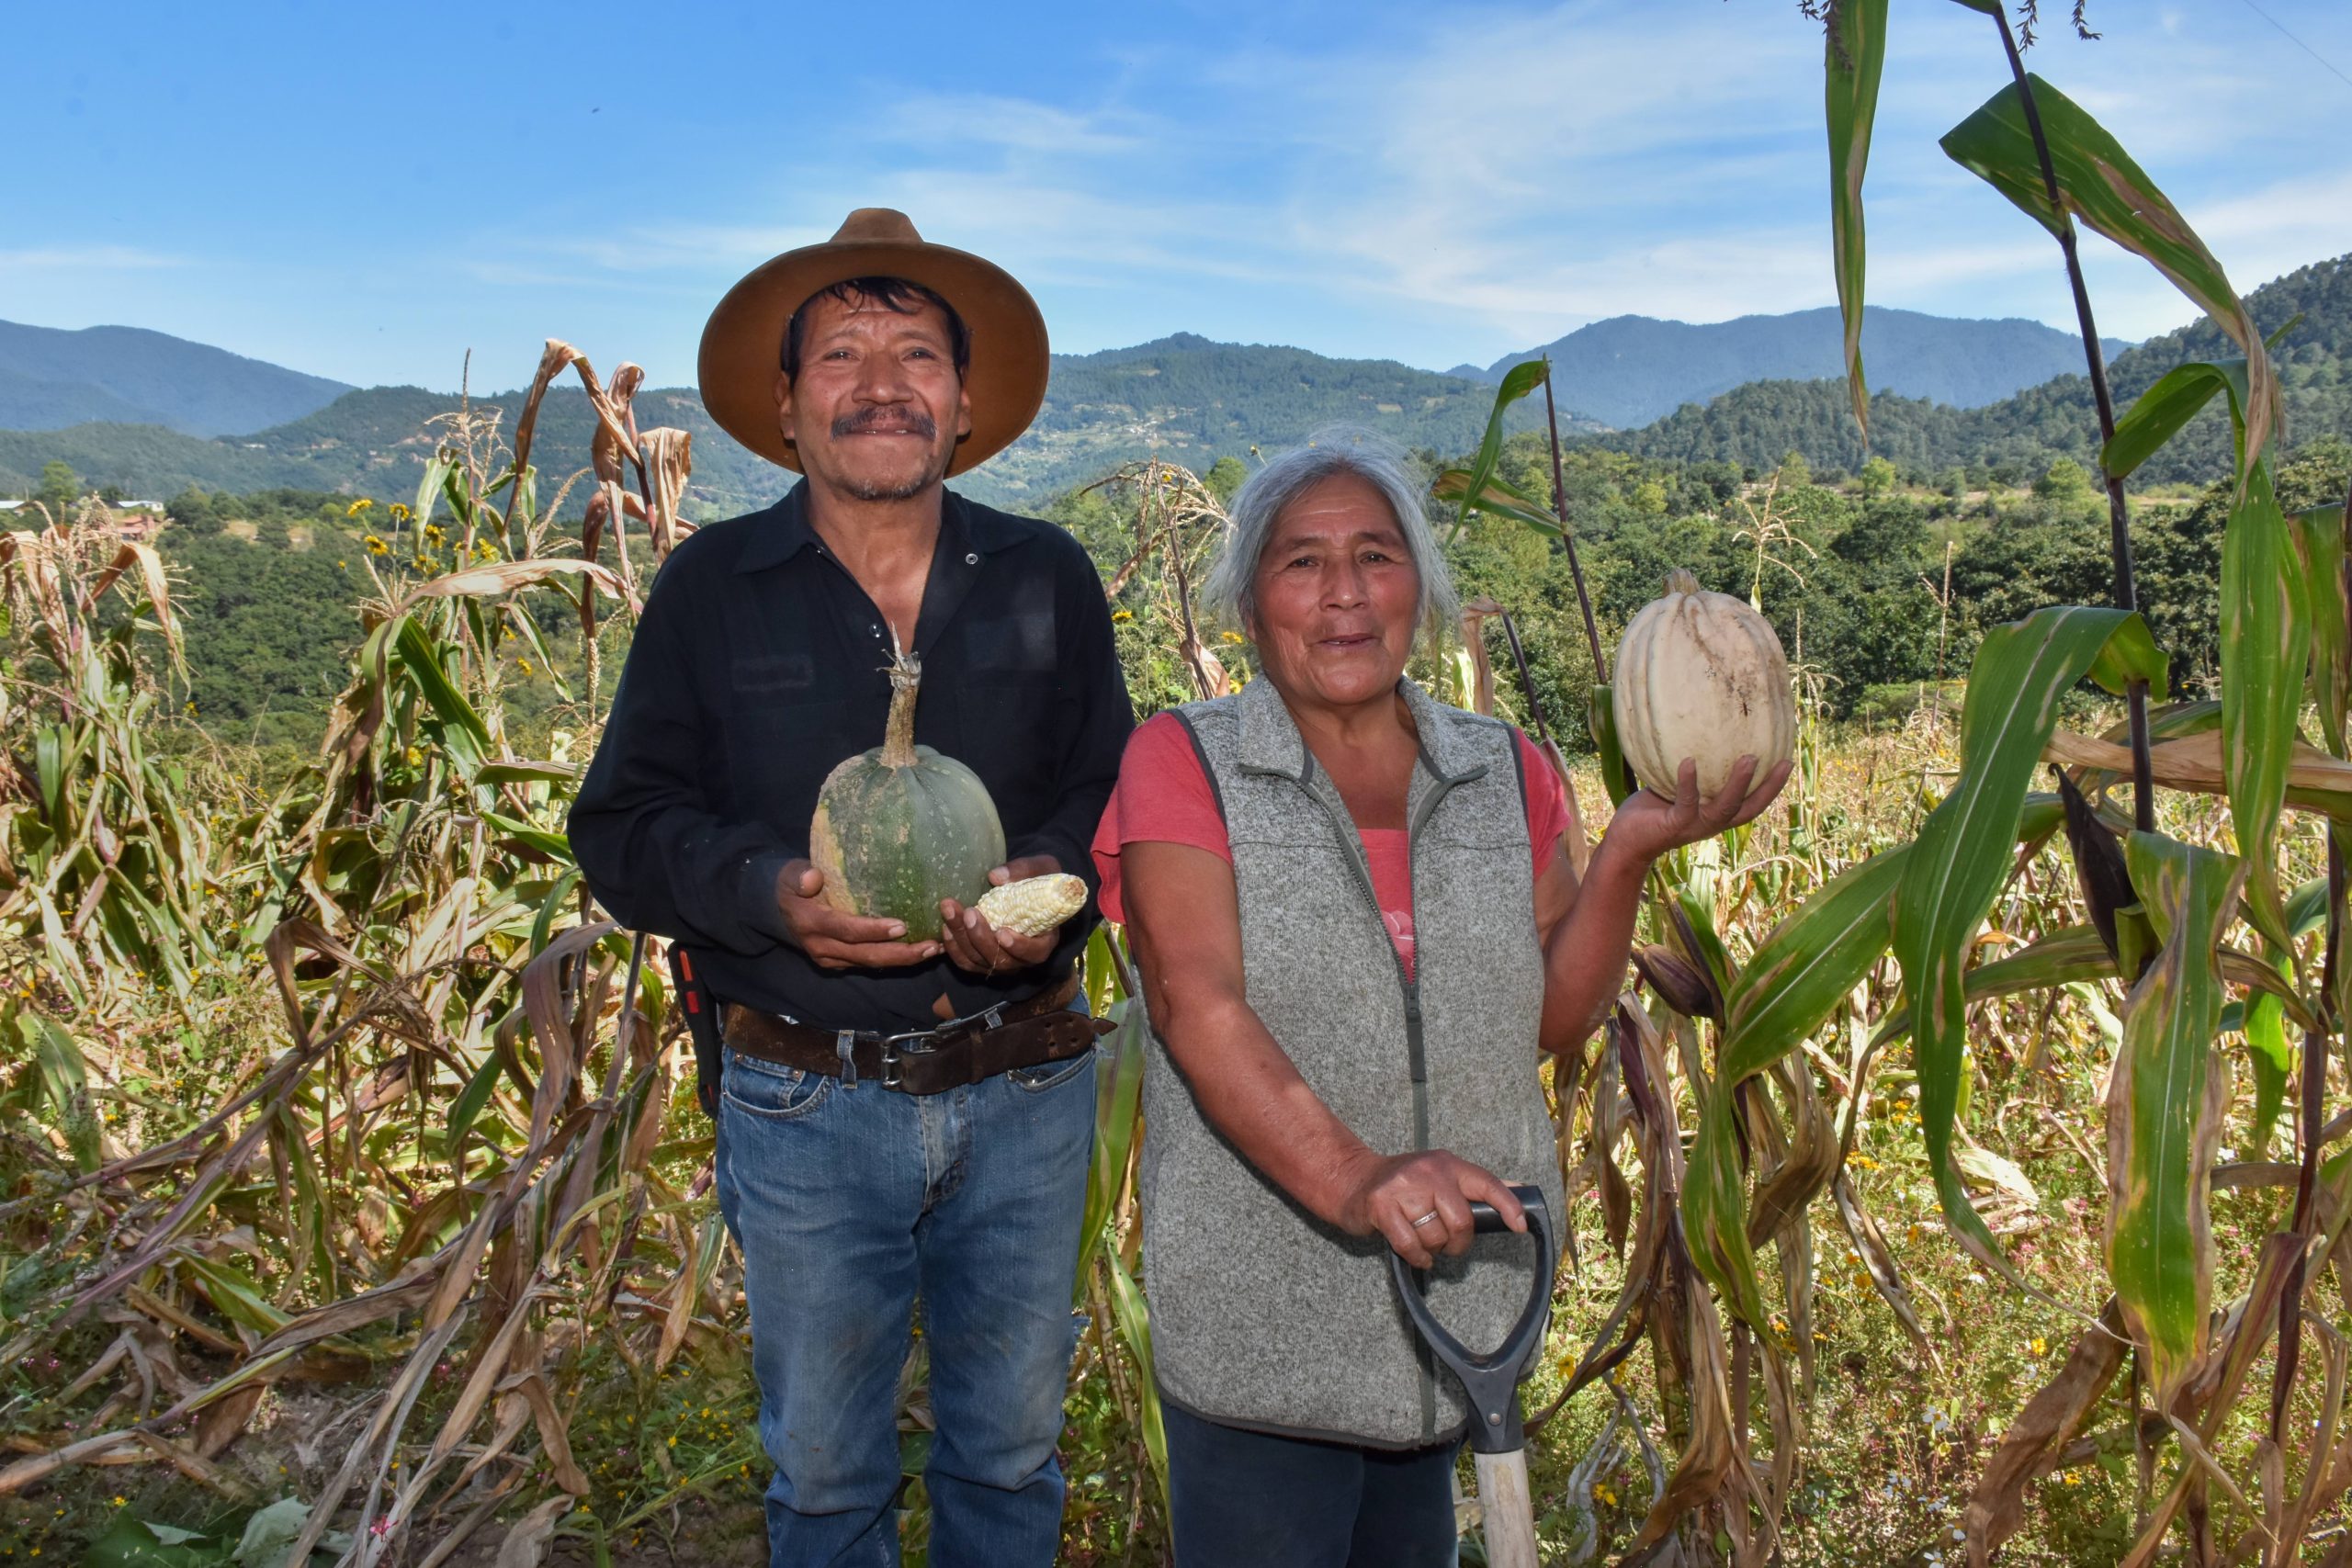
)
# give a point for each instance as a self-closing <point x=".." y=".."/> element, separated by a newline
<point x="1190" y="400"/>
<point x="1194" y="400"/>
<point x="1629" y="370"/>
<point x="49" y="379"/>
<point x="1754" y="425"/>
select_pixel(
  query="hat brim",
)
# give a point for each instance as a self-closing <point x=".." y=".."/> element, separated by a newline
<point x="742" y="342"/>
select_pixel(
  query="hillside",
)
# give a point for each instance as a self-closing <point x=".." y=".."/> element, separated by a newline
<point x="50" y="378"/>
<point x="1195" y="401"/>
<point x="1189" y="398"/>
<point x="1754" y="425"/>
<point x="1629" y="370"/>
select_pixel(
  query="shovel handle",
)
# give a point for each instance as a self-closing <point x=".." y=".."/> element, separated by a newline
<point x="1509" y="1509"/>
<point x="1486" y="1218"/>
<point x="1490" y="1379"/>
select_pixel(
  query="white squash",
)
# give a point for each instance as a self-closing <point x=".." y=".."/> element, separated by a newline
<point x="1701" y="675"/>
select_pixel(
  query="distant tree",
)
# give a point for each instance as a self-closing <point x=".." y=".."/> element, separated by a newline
<point x="193" y="510"/>
<point x="113" y="495"/>
<point x="1877" y="477"/>
<point x="61" y="487"/>
<point x="2064" y="482"/>
<point x="1795" y="472"/>
<point x="1225" y="476"/>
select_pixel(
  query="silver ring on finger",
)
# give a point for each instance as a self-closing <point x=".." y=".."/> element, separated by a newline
<point x="1425" y="1218"/>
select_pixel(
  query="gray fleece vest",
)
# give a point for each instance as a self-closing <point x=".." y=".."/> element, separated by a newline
<point x="1261" y="1315"/>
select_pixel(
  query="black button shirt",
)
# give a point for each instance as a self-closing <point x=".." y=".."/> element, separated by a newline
<point x="758" y="663"/>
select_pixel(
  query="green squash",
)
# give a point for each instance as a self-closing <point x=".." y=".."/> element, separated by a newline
<point x="899" y="828"/>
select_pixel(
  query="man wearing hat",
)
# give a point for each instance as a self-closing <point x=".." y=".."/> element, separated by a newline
<point x="897" y="1118"/>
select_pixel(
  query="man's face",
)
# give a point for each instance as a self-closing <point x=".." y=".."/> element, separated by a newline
<point x="877" y="407"/>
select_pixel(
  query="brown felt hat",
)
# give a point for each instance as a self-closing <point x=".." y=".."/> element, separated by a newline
<point x="742" y="343"/>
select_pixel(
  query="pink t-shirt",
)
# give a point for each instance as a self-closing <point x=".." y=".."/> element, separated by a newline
<point x="1163" y="797"/>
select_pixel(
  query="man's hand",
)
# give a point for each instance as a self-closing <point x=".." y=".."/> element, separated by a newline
<point x="979" y="948"/>
<point x="835" y="941"/>
<point x="1420" y="1203"/>
<point x="1648" y="826"/>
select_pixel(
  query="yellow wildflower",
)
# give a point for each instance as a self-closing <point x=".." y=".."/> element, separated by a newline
<point x="1233" y="637"/>
<point x="357" y="507"/>
<point x="1120" y="616"/>
<point x="484" y="550"/>
<point x="376" y="547"/>
<point x="414" y="757"/>
<point x="433" y="532"/>
<point x="400" y="514"/>
<point x="524" y="664"/>
<point x="2041" y="1346"/>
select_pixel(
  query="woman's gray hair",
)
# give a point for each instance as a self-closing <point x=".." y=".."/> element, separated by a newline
<point x="1229" y="592"/>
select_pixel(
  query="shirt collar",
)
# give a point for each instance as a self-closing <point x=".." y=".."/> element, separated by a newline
<point x="784" y="530"/>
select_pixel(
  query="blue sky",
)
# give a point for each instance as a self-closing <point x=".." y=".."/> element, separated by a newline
<point x="368" y="192"/>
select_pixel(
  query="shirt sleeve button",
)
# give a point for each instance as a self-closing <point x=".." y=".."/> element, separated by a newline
<point x="972" y="560"/>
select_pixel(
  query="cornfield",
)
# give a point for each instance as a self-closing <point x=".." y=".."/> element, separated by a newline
<point x="344" y="1130"/>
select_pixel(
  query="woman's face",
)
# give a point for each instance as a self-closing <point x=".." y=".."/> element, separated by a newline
<point x="1337" y="595"/>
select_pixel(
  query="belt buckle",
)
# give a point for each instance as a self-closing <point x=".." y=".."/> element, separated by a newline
<point x="893" y="1074"/>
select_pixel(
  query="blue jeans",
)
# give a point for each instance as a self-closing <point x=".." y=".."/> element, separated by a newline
<point x="849" y="1203"/>
<point x="1245" y="1499"/>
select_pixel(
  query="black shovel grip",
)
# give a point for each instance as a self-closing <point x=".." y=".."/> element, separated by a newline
<point x="1490" y="1381"/>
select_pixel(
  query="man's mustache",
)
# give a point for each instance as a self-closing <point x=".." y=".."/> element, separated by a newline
<point x="883" y="419"/>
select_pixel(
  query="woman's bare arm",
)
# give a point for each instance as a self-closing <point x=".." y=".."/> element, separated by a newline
<point x="1586" y="950"/>
<point x="1184" y="920"/>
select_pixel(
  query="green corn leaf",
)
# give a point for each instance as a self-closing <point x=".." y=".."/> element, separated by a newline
<point x="1601" y="720"/>
<point x="2073" y="953"/>
<point x="463" y="733"/>
<point x="555" y="846"/>
<point x="2265" y="648"/>
<point x="2162" y="1110"/>
<point x="475" y="1095"/>
<point x="2179" y="396"/>
<point x="1501" y="497"/>
<point x="1962" y="856"/>
<point x="1118" y="1089"/>
<point x="1518" y="381"/>
<point x="2265" y="1023"/>
<point x="1134" y="1317"/>
<point x="2318" y="535"/>
<point x="1856" y="56"/>
<point x="65" y="1081"/>
<point x="1807" y="964"/>
<point x="1714" y="1206"/>
<point x="2098" y="183"/>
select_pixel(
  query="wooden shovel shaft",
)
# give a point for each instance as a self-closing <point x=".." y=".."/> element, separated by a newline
<point x="1509" y="1512"/>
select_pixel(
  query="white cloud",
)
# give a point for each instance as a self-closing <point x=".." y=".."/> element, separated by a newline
<point x="1451" y="186"/>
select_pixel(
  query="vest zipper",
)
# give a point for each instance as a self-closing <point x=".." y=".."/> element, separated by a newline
<point x="1416" y="1054"/>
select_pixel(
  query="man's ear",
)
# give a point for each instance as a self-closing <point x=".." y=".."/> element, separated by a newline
<point x="962" y="409"/>
<point x="784" y="406"/>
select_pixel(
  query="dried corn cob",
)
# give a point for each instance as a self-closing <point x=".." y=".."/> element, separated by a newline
<point x="1036" y="905"/>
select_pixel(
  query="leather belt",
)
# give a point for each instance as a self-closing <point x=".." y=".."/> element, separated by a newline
<point x="1026" y="1033"/>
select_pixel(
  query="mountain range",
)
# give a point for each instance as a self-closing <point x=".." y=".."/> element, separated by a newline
<point x="50" y="380"/>
<point x="1194" y="400"/>
<point x="1629" y="370"/>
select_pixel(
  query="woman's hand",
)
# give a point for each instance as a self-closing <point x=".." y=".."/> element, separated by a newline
<point x="1648" y="826"/>
<point x="1420" y="1203"/>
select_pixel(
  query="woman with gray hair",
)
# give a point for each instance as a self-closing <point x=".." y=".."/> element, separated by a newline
<point x="1356" y="932"/>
